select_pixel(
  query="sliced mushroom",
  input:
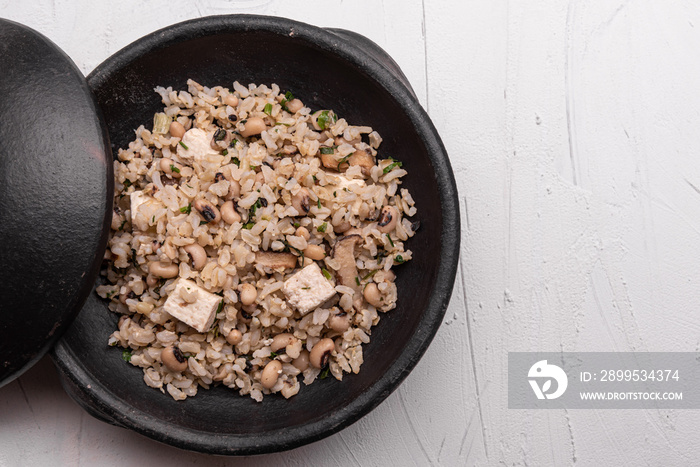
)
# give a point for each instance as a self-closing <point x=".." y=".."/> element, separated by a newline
<point x="364" y="160"/>
<point x="275" y="260"/>
<point x="344" y="253"/>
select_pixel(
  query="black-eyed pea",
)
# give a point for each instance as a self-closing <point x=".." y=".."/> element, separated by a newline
<point x="177" y="130"/>
<point x="295" y="105"/>
<point x="271" y="374"/>
<point x="302" y="201"/>
<point x="280" y="341"/>
<point x="229" y="213"/>
<point x="173" y="359"/>
<point x="315" y="252"/>
<point x="303" y="232"/>
<point x="302" y="361"/>
<point x="387" y="220"/>
<point x="321" y="353"/>
<point x="372" y="295"/>
<point x="231" y="100"/>
<point x="208" y="211"/>
<point x="340" y="323"/>
<point x="170" y="167"/>
<point x="234" y="337"/>
<point x="248" y="294"/>
<point x="253" y="126"/>
<point x="162" y="270"/>
<point x="197" y="254"/>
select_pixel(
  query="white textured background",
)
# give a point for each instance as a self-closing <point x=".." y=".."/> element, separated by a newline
<point x="573" y="130"/>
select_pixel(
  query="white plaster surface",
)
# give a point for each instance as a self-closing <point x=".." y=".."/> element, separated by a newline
<point x="573" y="128"/>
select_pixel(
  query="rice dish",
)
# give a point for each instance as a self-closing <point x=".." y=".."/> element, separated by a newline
<point x="252" y="242"/>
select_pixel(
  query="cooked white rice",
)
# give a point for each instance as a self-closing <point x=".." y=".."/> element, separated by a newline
<point x="349" y="188"/>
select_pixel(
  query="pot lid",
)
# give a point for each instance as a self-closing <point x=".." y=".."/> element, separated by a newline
<point x="55" y="195"/>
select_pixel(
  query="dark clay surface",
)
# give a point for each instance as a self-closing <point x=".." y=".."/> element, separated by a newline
<point x="55" y="195"/>
<point x="326" y="70"/>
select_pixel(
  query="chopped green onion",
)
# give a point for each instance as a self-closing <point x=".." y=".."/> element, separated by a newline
<point x="296" y="225"/>
<point x="224" y="152"/>
<point x="327" y="150"/>
<point x="183" y="145"/>
<point x="236" y="161"/>
<point x="322" y="227"/>
<point x="273" y="354"/>
<point x="289" y="96"/>
<point x="174" y="169"/>
<point x="161" y="123"/>
<point x="390" y="240"/>
<point x="319" y="203"/>
<point x="249" y="225"/>
<point x="389" y="167"/>
<point x="126" y="355"/>
<point x="127" y="183"/>
<point x="306" y="288"/>
<point x="370" y="274"/>
<point x="203" y="222"/>
<point x="122" y="225"/>
<point x="343" y="160"/>
<point x="322" y="119"/>
<point x="357" y="280"/>
<point x="326" y="274"/>
<point x="399" y="259"/>
<point x="334" y="194"/>
<point x="324" y="373"/>
<point x="186" y="209"/>
<point x="153" y="219"/>
<point x="268" y="109"/>
<point x="221" y="306"/>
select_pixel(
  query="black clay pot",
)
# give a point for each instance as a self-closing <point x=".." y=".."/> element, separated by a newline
<point x="326" y="69"/>
<point x="55" y="195"/>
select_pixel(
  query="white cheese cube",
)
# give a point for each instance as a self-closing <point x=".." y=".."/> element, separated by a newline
<point x="144" y="210"/>
<point x="192" y="305"/>
<point x="198" y="144"/>
<point x="307" y="289"/>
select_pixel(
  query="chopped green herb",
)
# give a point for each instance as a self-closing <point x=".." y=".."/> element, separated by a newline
<point x="314" y="177"/>
<point x="324" y="373"/>
<point x="322" y="120"/>
<point x="334" y="194"/>
<point x="327" y="150"/>
<point x="236" y="161"/>
<point x="109" y="294"/>
<point x="296" y="225"/>
<point x="326" y="274"/>
<point x="252" y="167"/>
<point x="390" y="240"/>
<point x="203" y="222"/>
<point x="370" y="274"/>
<point x="268" y="109"/>
<point x="126" y="355"/>
<point x="221" y="306"/>
<point x="343" y="160"/>
<point x="399" y="259"/>
<point x="249" y="225"/>
<point x="233" y="143"/>
<point x="174" y="169"/>
<point x="186" y="209"/>
<point x="318" y="203"/>
<point x="224" y="152"/>
<point x="322" y="227"/>
<point x="289" y="96"/>
<point x="127" y="183"/>
<point x="153" y="219"/>
<point x="306" y="288"/>
<point x="274" y="354"/>
<point x="243" y="121"/>
<point x="183" y="145"/>
<point x="123" y="224"/>
<point x="357" y="280"/>
<point x="389" y="167"/>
